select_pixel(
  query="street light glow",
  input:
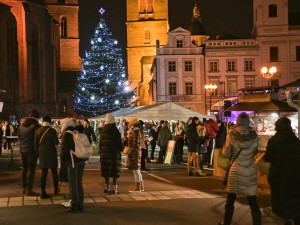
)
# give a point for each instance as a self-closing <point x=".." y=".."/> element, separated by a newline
<point x="264" y="70"/>
<point x="273" y="69"/>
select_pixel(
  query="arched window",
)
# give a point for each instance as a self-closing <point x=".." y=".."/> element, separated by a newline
<point x="273" y="10"/>
<point x="147" y="36"/>
<point x="36" y="73"/>
<point x="63" y="27"/>
<point x="146" y="6"/>
<point x="12" y="58"/>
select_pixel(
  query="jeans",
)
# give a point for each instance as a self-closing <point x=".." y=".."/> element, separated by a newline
<point x="75" y="182"/>
<point x="201" y="160"/>
<point x="44" y="178"/>
<point x="28" y="163"/>
<point x="137" y="175"/>
<point x="193" y="157"/>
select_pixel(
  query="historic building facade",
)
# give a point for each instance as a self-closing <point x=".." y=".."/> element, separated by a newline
<point x="179" y="72"/>
<point x="147" y="22"/>
<point x="38" y="40"/>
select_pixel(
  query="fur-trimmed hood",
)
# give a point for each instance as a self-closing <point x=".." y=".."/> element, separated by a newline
<point x="243" y="135"/>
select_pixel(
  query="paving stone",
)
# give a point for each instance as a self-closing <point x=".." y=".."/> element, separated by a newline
<point x="15" y="203"/>
<point x="47" y="201"/>
<point x="15" y="199"/>
<point x="30" y="202"/>
<point x="3" y="202"/>
<point x="138" y="198"/>
<point x="206" y="195"/>
<point x="100" y="199"/>
<point x="58" y="201"/>
<point x="88" y="200"/>
<point x="125" y="197"/>
<point x="30" y="198"/>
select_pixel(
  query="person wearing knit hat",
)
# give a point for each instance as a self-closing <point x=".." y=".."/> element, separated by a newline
<point x="242" y="146"/>
<point x="110" y="119"/>
<point x="283" y="152"/>
<point x="133" y="121"/>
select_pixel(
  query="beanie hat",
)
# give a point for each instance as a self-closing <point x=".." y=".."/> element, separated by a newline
<point x="243" y="120"/>
<point x="133" y="121"/>
<point x="67" y="122"/>
<point x="283" y="123"/>
<point x="110" y="119"/>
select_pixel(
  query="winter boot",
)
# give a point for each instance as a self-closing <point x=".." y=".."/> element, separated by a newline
<point x="114" y="191"/>
<point x="142" y="186"/>
<point x="228" y="215"/>
<point x="106" y="188"/>
<point x="136" y="187"/>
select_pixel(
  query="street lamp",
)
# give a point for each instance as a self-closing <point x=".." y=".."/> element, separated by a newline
<point x="210" y="88"/>
<point x="268" y="73"/>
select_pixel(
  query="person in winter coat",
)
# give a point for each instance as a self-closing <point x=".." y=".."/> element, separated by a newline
<point x="45" y="142"/>
<point x="203" y="139"/>
<point x="283" y="152"/>
<point x="28" y="155"/>
<point x="74" y="174"/>
<point x="153" y="137"/>
<point x="212" y="130"/>
<point x="193" y="148"/>
<point x="123" y="129"/>
<point x="134" y="152"/>
<point x="242" y="178"/>
<point x="99" y="132"/>
<point x="163" y="139"/>
<point x="179" y="137"/>
<point x="111" y="147"/>
<point x="8" y="130"/>
<point x="221" y="135"/>
<point x="89" y="131"/>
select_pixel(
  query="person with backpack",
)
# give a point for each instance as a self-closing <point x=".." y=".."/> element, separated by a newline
<point x="111" y="147"/>
<point x="70" y="145"/>
<point x="45" y="142"/>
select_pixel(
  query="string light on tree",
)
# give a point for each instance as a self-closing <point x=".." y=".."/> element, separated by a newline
<point x="99" y="86"/>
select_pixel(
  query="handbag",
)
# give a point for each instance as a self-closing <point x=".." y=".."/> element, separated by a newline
<point x="223" y="162"/>
<point x="262" y="165"/>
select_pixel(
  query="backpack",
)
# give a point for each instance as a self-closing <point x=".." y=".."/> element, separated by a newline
<point x="83" y="148"/>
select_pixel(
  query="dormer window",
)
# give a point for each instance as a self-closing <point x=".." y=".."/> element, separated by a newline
<point x="273" y="10"/>
<point x="179" y="43"/>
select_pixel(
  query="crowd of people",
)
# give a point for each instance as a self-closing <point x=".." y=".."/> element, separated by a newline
<point x="133" y="137"/>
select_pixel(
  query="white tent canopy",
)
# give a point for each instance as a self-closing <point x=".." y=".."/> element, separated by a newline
<point x="157" y="112"/>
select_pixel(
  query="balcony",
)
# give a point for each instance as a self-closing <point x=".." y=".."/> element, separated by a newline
<point x="179" y="98"/>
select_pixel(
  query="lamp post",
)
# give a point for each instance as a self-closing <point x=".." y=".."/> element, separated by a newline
<point x="268" y="73"/>
<point x="210" y="88"/>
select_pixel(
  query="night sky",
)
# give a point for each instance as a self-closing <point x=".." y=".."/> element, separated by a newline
<point x="232" y="17"/>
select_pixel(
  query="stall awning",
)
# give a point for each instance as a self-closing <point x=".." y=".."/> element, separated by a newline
<point x="156" y="112"/>
<point x="262" y="106"/>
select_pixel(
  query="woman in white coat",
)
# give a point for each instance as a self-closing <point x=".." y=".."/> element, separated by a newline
<point x="242" y="178"/>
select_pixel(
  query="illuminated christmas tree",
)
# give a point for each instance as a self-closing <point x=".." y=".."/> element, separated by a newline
<point x="101" y="85"/>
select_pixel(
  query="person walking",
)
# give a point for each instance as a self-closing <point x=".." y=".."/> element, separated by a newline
<point x="111" y="147"/>
<point x="26" y="134"/>
<point x="203" y="137"/>
<point x="74" y="174"/>
<point x="283" y="152"/>
<point x="134" y="152"/>
<point x="212" y="130"/>
<point x="153" y="140"/>
<point x="7" y="131"/>
<point x="242" y="145"/>
<point x="163" y="139"/>
<point x="193" y="148"/>
<point x="45" y="142"/>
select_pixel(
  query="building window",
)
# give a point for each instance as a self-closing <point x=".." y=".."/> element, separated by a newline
<point x="275" y="82"/>
<point x="297" y="53"/>
<point x="179" y="43"/>
<point x="214" y="81"/>
<point x="189" y="88"/>
<point x="231" y="65"/>
<point x="232" y="87"/>
<point x="274" y="54"/>
<point x="273" y="10"/>
<point x="172" y="66"/>
<point x="213" y="66"/>
<point x="172" y="88"/>
<point x="249" y="65"/>
<point x="188" y="66"/>
<point x="146" y="6"/>
<point x="63" y="27"/>
<point x="147" y="36"/>
<point x="249" y="82"/>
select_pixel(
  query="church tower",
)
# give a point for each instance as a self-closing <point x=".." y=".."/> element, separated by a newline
<point x="147" y="22"/>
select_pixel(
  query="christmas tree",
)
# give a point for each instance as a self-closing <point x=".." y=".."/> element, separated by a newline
<point x="102" y="85"/>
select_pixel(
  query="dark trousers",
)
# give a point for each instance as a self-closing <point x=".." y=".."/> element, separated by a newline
<point x="153" y="146"/>
<point x="162" y="154"/>
<point x="44" y="178"/>
<point x="75" y="182"/>
<point x="143" y="158"/>
<point x="209" y="151"/>
<point x="200" y="160"/>
<point x="7" y="143"/>
<point x="229" y="208"/>
<point x="29" y="164"/>
<point x="0" y="147"/>
<point x="114" y="180"/>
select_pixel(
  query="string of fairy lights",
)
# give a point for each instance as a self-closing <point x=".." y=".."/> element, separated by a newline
<point x="101" y="85"/>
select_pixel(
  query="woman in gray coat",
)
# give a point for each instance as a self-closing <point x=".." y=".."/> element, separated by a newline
<point x="45" y="142"/>
<point x="242" y="178"/>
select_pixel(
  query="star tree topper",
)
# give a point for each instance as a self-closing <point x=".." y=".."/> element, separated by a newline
<point x="101" y="11"/>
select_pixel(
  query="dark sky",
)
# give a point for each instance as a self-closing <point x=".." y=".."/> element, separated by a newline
<point x="232" y="17"/>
